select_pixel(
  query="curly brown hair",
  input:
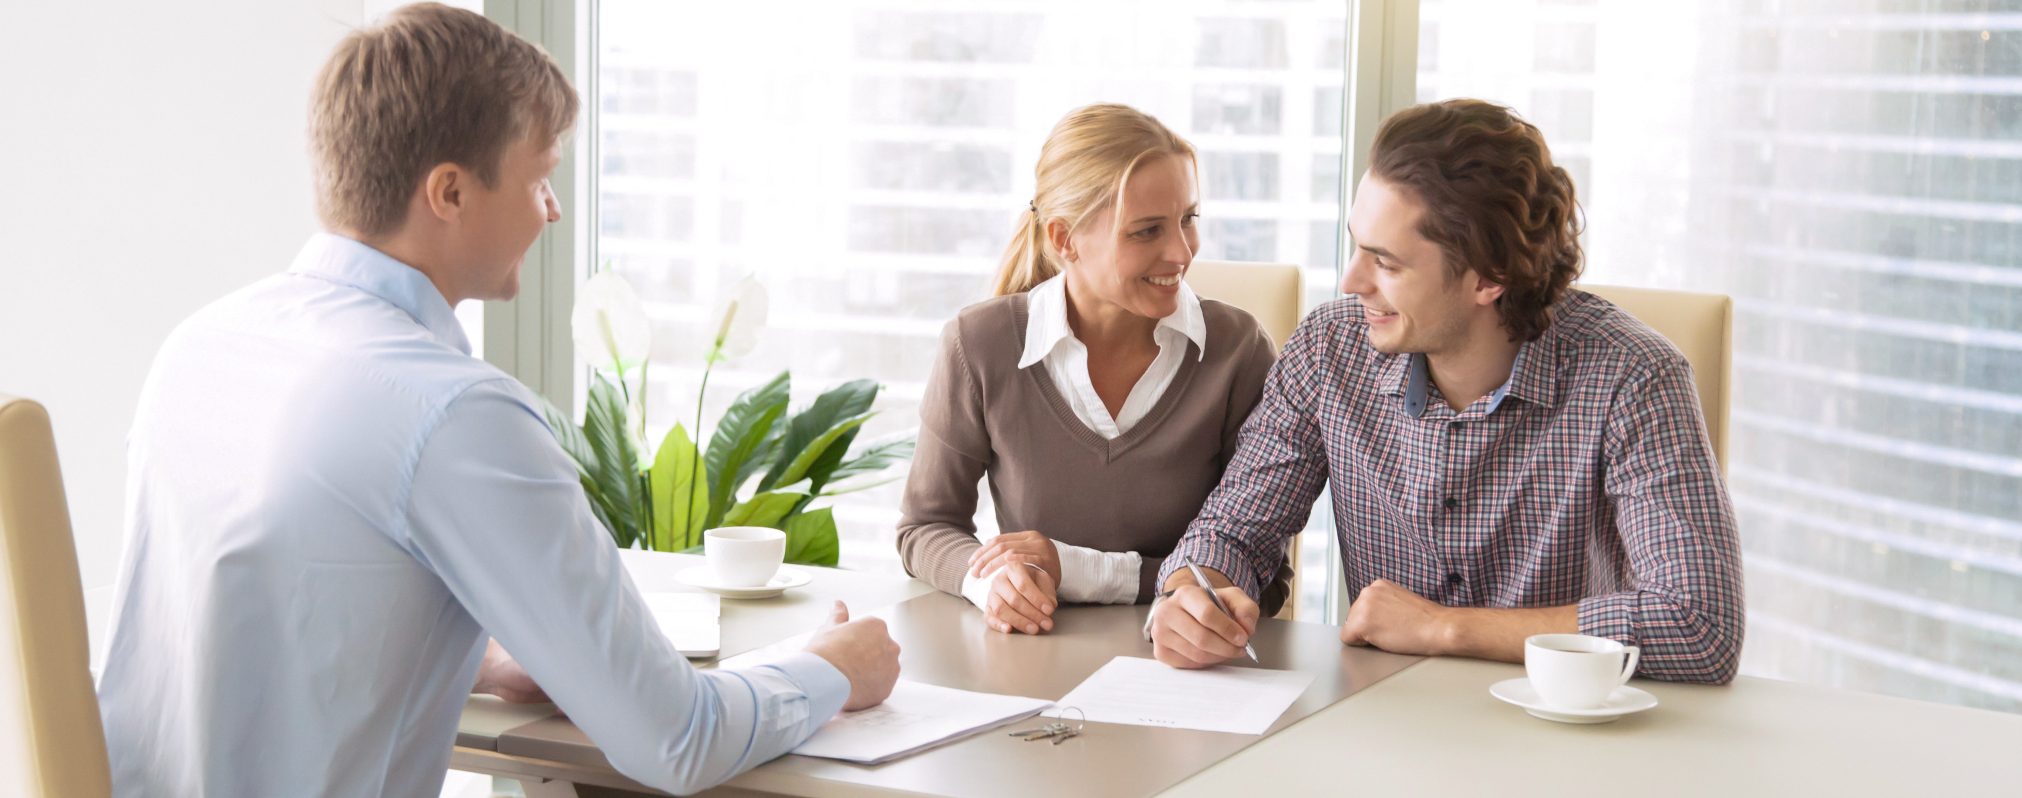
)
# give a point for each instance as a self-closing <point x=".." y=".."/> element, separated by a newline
<point x="1493" y="201"/>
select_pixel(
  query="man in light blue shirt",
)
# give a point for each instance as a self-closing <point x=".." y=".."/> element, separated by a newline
<point x="331" y="503"/>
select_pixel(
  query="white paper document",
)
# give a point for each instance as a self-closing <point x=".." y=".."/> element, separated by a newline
<point x="916" y="717"/>
<point x="1144" y="692"/>
<point x="692" y="621"/>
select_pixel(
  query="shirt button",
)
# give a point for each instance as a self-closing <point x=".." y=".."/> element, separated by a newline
<point x="1454" y="579"/>
<point x="1451" y="502"/>
<point x="1455" y="426"/>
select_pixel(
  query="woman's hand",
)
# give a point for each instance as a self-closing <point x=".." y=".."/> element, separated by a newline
<point x="1022" y="597"/>
<point x="1029" y="545"/>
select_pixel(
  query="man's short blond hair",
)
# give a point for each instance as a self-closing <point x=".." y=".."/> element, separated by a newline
<point x="429" y="85"/>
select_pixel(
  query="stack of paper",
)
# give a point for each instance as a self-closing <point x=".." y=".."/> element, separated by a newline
<point x="916" y="717"/>
<point x="692" y="621"/>
<point x="1143" y="692"/>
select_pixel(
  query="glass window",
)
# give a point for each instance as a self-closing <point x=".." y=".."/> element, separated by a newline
<point x="872" y="179"/>
<point x="1848" y="172"/>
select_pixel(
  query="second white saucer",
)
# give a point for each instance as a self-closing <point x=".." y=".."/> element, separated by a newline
<point x="704" y="577"/>
<point x="1625" y="700"/>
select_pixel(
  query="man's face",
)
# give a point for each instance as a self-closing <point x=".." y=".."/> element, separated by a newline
<point x="1410" y="299"/>
<point x="501" y="221"/>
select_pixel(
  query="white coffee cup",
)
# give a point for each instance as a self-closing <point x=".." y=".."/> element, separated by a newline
<point x="744" y="556"/>
<point x="1577" y="671"/>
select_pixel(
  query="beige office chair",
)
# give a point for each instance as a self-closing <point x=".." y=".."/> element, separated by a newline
<point x="1270" y="292"/>
<point x="50" y="736"/>
<point x="1702" y="326"/>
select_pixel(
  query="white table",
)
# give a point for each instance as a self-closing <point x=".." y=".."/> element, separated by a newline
<point x="1434" y="729"/>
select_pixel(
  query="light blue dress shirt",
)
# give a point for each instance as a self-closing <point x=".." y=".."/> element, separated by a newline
<point x="329" y="504"/>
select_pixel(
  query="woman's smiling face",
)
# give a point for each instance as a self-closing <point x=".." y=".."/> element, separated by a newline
<point x="1139" y="268"/>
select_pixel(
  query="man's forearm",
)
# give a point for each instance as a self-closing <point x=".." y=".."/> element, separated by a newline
<point x="1499" y="634"/>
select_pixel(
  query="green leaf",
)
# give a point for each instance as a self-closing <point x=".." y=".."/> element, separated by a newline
<point x="743" y="429"/>
<point x="824" y="451"/>
<point x="680" y="492"/>
<point x="874" y="458"/>
<point x="613" y="460"/>
<point x="763" y="456"/>
<point x="644" y="490"/>
<point x="839" y="405"/>
<point x="839" y="487"/>
<point x="765" y="509"/>
<point x="818" y="471"/>
<point x="811" y="537"/>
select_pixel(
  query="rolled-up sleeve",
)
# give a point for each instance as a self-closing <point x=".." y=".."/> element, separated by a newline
<point x="1684" y="608"/>
<point x="498" y="514"/>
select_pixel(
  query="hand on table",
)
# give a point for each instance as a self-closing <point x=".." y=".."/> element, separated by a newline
<point x="1022" y="596"/>
<point x="1392" y="618"/>
<point x="1033" y="547"/>
<point x="500" y="675"/>
<point x="865" y="653"/>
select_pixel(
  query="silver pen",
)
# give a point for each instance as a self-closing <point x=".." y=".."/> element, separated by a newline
<point x="1203" y="579"/>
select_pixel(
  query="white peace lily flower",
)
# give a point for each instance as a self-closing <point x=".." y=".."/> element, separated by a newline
<point x="609" y="325"/>
<point x="739" y="315"/>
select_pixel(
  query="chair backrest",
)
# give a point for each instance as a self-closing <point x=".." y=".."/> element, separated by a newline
<point x="54" y="744"/>
<point x="1269" y="291"/>
<point x="1702" y="326"/>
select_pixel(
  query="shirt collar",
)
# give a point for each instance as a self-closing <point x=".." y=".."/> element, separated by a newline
<point x="1535" y="375"/>
<point x="1531" y="378"/>
<point x="1046" y="320"/>
<point x="347" y="262"/>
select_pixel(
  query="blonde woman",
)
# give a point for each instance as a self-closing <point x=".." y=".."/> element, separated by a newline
<point x="1097" y="393"/>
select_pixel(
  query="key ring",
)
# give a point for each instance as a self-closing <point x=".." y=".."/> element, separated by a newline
<point x="1057" y="731"/>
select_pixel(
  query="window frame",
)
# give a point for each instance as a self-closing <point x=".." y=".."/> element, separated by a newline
<point x="529" y="337"/>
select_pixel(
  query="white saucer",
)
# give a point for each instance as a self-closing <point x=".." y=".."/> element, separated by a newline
<point x="787" y="578"/>
<point x="1625" y="700"/>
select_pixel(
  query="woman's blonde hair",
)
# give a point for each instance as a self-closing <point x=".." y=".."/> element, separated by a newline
<point x="1087" y="159"/>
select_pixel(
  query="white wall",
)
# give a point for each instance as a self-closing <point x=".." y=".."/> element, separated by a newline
<point x="156" y="159"/>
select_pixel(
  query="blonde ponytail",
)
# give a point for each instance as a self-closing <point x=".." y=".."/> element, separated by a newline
<point x="1025" y="262"/>
<point x="1082" y="168"/>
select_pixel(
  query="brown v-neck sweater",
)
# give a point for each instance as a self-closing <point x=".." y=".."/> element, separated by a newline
<point x="984" y="416"/>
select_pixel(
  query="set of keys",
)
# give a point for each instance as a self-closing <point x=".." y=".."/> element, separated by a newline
<point x="1057" y="732"/>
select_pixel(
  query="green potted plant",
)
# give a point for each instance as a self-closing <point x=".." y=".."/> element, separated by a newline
<point x="763" y="466"/>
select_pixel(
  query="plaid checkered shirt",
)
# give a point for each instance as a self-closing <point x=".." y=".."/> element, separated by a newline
<point x="1588" y="478"/>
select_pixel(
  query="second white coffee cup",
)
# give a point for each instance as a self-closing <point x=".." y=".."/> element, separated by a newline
<point x="1577" y="671"/>
<point x="744" y="556"/>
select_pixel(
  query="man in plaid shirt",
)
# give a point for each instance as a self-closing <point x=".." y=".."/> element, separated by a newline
<point x="1508" y="456"/>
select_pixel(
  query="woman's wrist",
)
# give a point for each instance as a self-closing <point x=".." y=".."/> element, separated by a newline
<point x="1093" y="576"/>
